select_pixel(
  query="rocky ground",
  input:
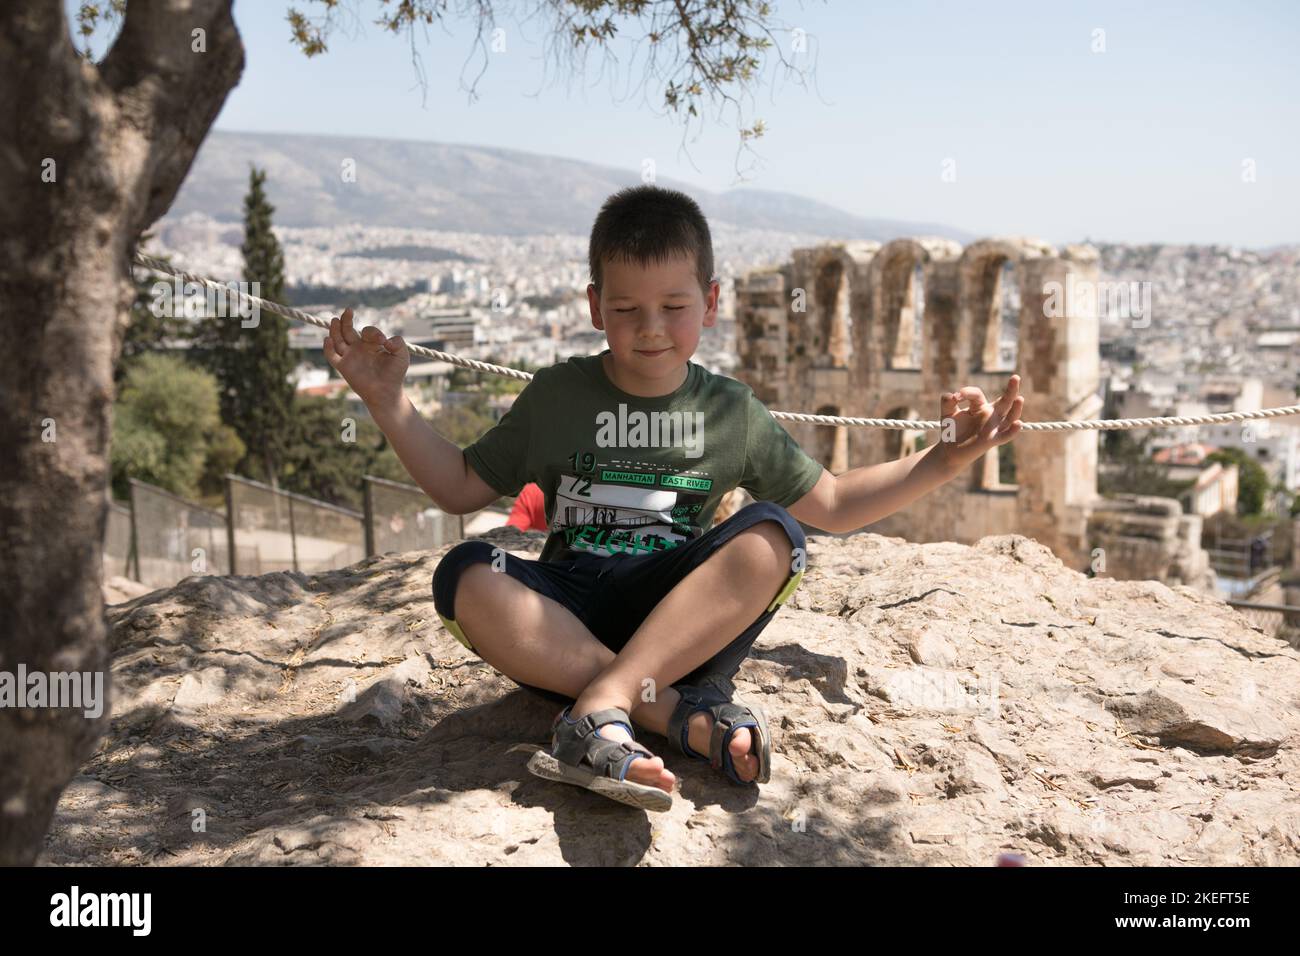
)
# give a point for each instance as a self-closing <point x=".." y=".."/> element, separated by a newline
<point x="931" y="704"/>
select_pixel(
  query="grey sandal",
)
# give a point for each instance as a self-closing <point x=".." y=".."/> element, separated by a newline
<point x="582" y="757"/>
<point x="714" y="694"/>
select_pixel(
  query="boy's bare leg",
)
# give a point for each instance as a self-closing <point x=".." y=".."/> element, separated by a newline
<point x="537" y="641"/>
<point x="704" y="613"/>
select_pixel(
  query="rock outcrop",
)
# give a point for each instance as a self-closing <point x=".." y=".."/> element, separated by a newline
<point x="931" y="704"/>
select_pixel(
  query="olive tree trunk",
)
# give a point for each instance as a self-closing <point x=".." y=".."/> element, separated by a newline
<point x="91" y="155"/>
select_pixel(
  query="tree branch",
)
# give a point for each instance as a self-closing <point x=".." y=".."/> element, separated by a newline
<point x="171" y="68"/>
<point x="38" y="56"/>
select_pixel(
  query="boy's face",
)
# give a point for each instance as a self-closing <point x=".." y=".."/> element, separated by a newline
<point x="652" y="316"/>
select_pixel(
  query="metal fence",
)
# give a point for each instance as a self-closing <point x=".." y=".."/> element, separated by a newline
<point x="174" y="538"/>
<point x="1242" y="558"/>
<point x="158" y="538"/>
<point x="1276" y="620"/>
<point x="119" y="558"/>
<point x="400" y="517"/>
<point x="274" y="530"/>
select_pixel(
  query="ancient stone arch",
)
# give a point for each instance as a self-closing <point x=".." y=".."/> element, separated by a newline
<point x="832" y="442"/>
<point x="899" y="443"/>
<point x="983" y="277"/>
<point x="897" y="283"/>
<point x="851" y="348"/>
<point x="823" y="337"/>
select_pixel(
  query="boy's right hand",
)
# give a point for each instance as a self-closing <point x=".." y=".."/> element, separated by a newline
<point x="373" y="364"/>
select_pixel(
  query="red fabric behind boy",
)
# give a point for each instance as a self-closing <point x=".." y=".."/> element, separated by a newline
<point x="529" y="512"/>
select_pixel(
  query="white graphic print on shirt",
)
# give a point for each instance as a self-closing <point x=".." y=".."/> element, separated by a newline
<point x="627" y="506"/>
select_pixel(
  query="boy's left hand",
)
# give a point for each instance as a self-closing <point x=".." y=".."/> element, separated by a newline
<point x="981" y="425"/>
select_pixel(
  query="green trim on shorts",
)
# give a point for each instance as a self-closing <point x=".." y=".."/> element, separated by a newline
<point x="456" y="632"/>
<point x="785" y="592"/>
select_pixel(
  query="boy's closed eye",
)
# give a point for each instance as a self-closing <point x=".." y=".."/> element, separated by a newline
<point x="669" y="308"/>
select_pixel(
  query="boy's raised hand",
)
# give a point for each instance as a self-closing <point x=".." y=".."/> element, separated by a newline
<point x="373" y="364"/>
<point x="980" y="425"/>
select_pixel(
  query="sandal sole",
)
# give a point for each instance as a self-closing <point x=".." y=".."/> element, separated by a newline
<point x="542" y="764"/>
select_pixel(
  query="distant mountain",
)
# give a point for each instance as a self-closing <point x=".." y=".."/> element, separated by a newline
<point x="471" y="189"/>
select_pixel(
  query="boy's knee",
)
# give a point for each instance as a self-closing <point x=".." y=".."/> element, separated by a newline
<point x="774" y="524"/>
<point x="447" y="575"/>
<point x="456" y="567"/>
<point x="766" y="513"/>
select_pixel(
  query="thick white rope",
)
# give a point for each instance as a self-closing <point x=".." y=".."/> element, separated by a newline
<point x="1097" y="424"/>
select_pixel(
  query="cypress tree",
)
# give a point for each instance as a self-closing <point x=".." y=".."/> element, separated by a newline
<point x="253" y="364"/>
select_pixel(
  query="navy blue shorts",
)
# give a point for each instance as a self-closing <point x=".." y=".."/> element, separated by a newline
<point x="612" y="595"/>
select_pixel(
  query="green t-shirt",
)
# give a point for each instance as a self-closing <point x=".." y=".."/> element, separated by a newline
<point x="624" y="472"/>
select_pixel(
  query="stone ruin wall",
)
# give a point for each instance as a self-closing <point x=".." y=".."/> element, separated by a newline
<point x="833" y="331"/>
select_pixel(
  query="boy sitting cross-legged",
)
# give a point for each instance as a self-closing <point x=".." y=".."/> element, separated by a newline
<point x="638" y="608"/>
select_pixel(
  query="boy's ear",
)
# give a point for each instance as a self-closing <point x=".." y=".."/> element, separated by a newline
<point x="711" y="303"/>
<point x="593" y="301"/>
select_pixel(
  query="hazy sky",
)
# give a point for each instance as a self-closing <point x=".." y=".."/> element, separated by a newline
<point x="1146" y="141"/>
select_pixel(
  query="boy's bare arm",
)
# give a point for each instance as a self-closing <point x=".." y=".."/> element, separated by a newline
<point x="375" y="366"/>
<point x="435" y="464"/>
<point x="862" y="496"/>
<point x="847" y="502"/>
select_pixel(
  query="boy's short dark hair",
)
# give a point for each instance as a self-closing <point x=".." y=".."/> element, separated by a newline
<point x="645" y="224"/>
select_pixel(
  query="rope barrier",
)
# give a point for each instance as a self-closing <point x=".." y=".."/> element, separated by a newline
<point x="298" y="315"/>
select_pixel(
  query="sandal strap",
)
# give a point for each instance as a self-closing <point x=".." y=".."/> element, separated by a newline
<point x="596" y="719"/>
<point x="727" y="719"/>
<point x="707" y="694"/>
<point x="714" y="693"/>
<point x="692" y="702"/>
<point x="605" y="758"/>
<point x="578" y="744"/>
